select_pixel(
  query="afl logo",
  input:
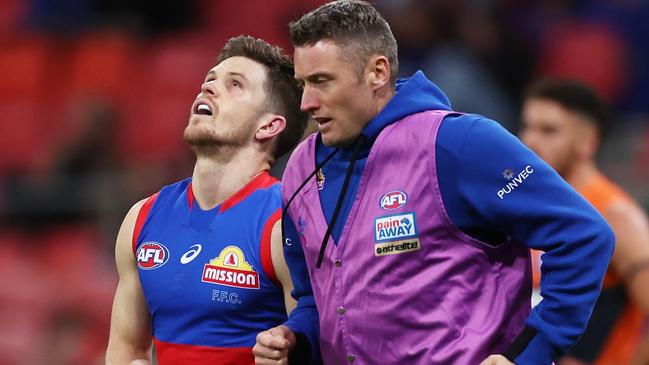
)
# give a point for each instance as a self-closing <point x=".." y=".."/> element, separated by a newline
<point x="393" y="200"/>
<point x="152" y="255"/>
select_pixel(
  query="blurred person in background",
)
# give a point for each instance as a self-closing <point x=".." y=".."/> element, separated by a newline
<point x="465" y="48"/>
<point x="201" y="268"/>
<point x="409" y="224"/>
<point x="85" y="168"/>
<point x="564" y="122"/>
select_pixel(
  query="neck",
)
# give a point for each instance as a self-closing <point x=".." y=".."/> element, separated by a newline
<point x="581" y="174"/>
<point x="383" y="97"/>
<point x="215" y="180"/>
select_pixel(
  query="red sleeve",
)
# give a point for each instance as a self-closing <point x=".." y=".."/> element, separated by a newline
<point x="141" y="218"/>
<point x="266" y="258"/>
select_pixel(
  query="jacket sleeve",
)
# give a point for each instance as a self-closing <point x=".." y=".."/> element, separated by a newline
<point x="303" y="320"/>
<point x="513" y="192"/>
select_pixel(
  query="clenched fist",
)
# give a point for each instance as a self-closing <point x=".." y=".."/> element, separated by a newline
<point x="273" y="346"/>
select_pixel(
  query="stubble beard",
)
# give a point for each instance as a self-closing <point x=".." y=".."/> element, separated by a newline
<point x="205" y="143"/>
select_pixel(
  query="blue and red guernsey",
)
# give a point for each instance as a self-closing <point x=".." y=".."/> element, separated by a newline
<point x="207" y="275"/>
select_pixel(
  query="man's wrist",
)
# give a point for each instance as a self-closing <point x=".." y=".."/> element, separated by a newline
<point x="300" y="352"/>
<point x="289" y="335"/>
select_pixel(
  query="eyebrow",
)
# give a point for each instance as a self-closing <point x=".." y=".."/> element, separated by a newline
<point x="230" y="73"/>
<point x="314" y="76"/>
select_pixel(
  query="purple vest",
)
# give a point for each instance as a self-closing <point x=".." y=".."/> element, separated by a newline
<point x="404" y="285"/>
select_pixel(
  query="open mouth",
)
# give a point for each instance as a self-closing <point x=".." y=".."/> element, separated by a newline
<point x="322" y="121"/>
<point x="203" y="109"/>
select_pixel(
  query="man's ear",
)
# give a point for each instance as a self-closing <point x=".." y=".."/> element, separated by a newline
<point x="379" y="72"/>
<point x="270" y="126"/>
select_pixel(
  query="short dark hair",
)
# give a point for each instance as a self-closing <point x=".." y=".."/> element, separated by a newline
<point x="283" y="90"/>
<point x="575" y="96"/>
<point x="351" y="24"/>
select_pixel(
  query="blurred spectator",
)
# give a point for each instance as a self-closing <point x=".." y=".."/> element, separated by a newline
<point x="85" y="170"/>
<point x="465" y="50"/>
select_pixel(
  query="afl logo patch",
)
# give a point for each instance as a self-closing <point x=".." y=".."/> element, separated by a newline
<point x="152" y="255"/>
<point x="393" y="199"/>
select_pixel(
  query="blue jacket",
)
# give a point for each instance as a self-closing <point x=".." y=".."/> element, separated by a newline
<point x="474" y="157"/>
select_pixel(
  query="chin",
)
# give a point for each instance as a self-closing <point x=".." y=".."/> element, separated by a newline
<point x="198" y="136"/>
<point x="330" y="142"/>
<point x="336" y="142"/>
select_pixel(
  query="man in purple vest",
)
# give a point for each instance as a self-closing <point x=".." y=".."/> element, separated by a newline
<point x="409" y="225"/>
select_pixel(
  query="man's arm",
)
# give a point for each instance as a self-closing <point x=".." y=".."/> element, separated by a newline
<point x="510" y="193"/>
<point x="295" y="341"/>
<point x="130" y="329"/>
<point x="281" y="269"/>
<point x="631" y="259"/>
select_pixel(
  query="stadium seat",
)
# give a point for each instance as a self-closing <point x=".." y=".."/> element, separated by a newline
<point x="23" y="136"/>
<point x="162" y="93"/>
<point x="590" y="52"/>
<point x="23" y="66"/>
<point x="100" y="65"/>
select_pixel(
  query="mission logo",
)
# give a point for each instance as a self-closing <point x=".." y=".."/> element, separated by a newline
<point x="231" y="269"/>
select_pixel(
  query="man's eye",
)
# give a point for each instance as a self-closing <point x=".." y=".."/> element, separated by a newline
<point x="548" y="131"/>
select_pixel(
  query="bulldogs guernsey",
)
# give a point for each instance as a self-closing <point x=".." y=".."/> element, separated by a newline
<point x="208" y="276"/>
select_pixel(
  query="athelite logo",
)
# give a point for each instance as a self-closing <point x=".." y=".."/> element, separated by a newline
<point x="514" y="181"/>
<point x="393" y="200"/>
<point x="395" y="234"/>
<point x="230" y="268"/>
<point x="152" y="255"/>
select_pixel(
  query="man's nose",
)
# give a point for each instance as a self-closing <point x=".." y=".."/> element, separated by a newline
<point x="310" y="100"/>
<point x="208" y="88"/>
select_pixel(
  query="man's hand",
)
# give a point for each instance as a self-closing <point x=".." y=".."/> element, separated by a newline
<point x="273" y="346"/>
<point x="496" y="360"/>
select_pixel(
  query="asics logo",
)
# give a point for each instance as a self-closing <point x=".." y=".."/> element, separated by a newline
<point x="190" y="255"/>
